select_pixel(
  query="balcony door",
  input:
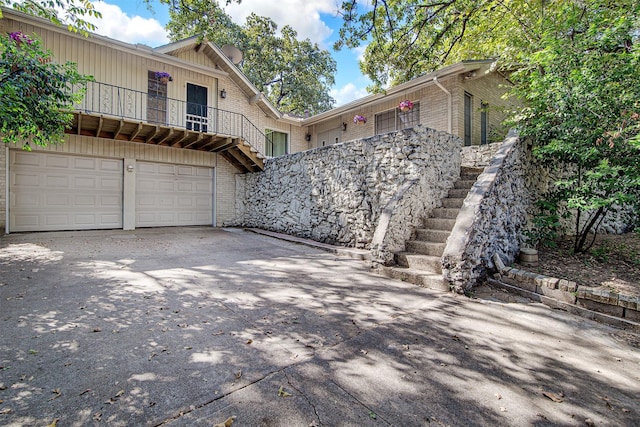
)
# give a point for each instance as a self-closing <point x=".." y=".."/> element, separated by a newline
<point x="197" y="117"/>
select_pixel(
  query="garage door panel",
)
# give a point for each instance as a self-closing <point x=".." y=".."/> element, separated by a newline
<point x="173" y="195"/>
<point x="110" y="165"/>
<point x="57" y="181"/>
<point x="83" y="182"/>
<point x="57" y="199"/>
<point x="61" y="192"/>
<point x="26" y="159"/>
<point x="112" y="184"/>
<point x="55" y="161"/>
<point x="165" y="169"/>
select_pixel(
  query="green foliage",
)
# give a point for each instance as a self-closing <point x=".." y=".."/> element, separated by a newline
<point x="36" y="94"/>
<point x="546" y="224"/>
<point x="406" y="38"/>
<point x="296" y="75"/>
<point x="583" y="105"/>
<point x="73" y="12"/>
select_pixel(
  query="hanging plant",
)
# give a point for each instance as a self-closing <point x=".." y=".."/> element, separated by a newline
<point x="406" y="105"/>
<point x="163" y="77"/>
<point x="359" y="120"/>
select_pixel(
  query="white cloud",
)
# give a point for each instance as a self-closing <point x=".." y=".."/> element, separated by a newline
<point x="301" y="15"/>
<point x="118" y="25"/>
<point x="347" y="93"/>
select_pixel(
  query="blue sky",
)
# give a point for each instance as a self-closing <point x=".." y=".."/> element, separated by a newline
<point x="317" y="20"/>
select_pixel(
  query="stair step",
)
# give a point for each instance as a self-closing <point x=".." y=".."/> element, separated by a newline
<point x="467" y="183"/>
<point x="453" y="202"/>
<point x="428" y="263"/>
<point x="417" y="277"/>
<point x="439" y="223"/>
<point x="425" y="248"/>
<point x="469" y="177"/>
<point x="457" y="193"/>
<point x="445" y="213"/>
<point x="470" y="170"/>
<point x="437" y="236"/>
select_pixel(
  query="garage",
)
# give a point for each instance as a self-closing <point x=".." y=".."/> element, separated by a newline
<point x="173" y="195"/>
<point x="52" y="191"/>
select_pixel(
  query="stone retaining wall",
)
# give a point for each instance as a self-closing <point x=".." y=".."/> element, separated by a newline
<point x="479" y="156"/>
<point x="345" y="193"/>
<point x="491" y="218"/>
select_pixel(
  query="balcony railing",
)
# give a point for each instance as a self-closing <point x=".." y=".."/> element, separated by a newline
<point x="106" y="99"/>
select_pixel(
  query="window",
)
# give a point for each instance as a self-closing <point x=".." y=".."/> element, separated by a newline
<point x="276" y="144"/>
<point x="156" y="99"/>
<point x="484" y="123"/>
<point x="468" y="102"/>
<point x="395" y="119"/>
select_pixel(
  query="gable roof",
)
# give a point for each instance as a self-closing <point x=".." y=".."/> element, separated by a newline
<point x="137" y="49"/>
<point x="428" y="79"/>
<point x="166" y="54"/>
<point x="215" y="54"/>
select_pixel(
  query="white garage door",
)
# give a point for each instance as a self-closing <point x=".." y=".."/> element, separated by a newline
<point x="170" y="195"/>
<point x="62" y="192"/>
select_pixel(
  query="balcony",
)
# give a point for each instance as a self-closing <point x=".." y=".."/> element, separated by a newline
<point x="118" y="113"/>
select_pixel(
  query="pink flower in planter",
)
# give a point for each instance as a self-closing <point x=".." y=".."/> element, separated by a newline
<point x="359" y="120"/>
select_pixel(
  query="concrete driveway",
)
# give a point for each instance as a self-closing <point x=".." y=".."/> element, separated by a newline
<point x="191" y="326"/>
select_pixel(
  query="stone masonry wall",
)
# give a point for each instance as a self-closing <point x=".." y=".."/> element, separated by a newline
<point x="491" y="219"/>
<point x="479" y="156"/>
<point x="345" y="193"/>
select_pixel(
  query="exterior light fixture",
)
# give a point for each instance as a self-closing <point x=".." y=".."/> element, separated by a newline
<point x="223" y="93"/>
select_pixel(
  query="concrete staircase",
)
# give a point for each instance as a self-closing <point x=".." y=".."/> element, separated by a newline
<point x="421" y="264"/>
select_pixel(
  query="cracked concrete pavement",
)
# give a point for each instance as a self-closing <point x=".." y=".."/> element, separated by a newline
<point x="190" y="326"/>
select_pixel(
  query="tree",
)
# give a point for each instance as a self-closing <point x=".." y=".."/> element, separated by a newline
<point x="73" y="11"/>
<point x="583" y="112"/>
<point x="576" y="68"/>
<point x="295" y="75"/>
<point x="36" y="94"/>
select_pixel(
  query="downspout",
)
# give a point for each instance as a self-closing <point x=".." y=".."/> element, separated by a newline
<point x="449" y="103"/>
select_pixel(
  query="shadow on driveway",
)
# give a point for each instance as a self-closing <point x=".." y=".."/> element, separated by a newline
<point x="189" y="326"/>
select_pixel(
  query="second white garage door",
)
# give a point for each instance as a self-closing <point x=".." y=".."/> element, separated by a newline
<point x="173" y="195"/>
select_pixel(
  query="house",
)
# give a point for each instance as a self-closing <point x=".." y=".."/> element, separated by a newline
<point x="463" y="99"/>
<point x="141" y="152"/>
<point x="144" y="152"/>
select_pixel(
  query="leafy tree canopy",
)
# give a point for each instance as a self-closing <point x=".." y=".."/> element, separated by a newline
<point x="36" y="94"/>
<point x="70" y="13"/>
<point x="295" y="75"/>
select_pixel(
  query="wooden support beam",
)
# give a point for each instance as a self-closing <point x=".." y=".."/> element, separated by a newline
<point x="242" y="159"/>
<point x="100" y="124"/>
<point x="201" y="138"/>
<point x="165" y="137"/>
<point x="195" y="141"/>
<point x="117" y="132"/>
<point x="185" y="135"/>
<point x="152" y="135"/>
<point x="136" y="132"/>
<point x="79" y="123"/>
<point x="225" y="144"/>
